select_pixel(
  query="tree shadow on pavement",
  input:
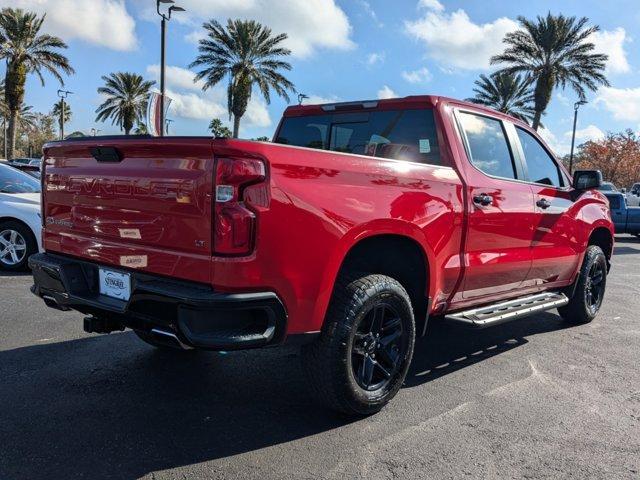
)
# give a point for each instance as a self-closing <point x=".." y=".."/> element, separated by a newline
<point x="112" y="407"/>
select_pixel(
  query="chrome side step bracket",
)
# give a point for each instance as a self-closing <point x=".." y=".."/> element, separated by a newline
<point x="497" y="313"/>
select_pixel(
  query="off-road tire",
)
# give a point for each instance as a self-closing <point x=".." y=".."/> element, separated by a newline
<point x="328" y="361"/>
<point x="578" y="311"/>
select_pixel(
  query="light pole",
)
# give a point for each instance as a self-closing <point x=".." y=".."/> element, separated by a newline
<point x="576" y="106"/>
<point x="301" y="98"/>
<point x="167" y="122"/>
<point x="163" y="26"/>
<point x="63" y="94"/>
<point x="95" y="131"/>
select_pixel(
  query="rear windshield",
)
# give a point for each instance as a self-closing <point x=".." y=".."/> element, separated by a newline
<point x="399" y="134"/>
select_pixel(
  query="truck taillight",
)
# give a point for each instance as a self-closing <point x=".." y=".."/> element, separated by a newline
<point x="235" y="220"/>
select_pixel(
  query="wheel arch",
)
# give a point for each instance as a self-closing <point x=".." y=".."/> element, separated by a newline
<point x="7" y="218"/>
<point x="410" y="263"/>
<point x="602" y="237"/>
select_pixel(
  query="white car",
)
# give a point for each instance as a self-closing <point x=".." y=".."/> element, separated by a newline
<point x="20" y="221"/>
<point x="633" y="195"/>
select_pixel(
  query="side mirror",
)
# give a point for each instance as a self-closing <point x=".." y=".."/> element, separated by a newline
<point x="623" y="190"/>
<point x="587" y="179"/>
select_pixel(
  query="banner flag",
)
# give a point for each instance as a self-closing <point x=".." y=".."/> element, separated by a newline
<point x="153" y="113"/>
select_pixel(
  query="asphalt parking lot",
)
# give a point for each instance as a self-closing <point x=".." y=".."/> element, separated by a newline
<point x="532" y="399"/>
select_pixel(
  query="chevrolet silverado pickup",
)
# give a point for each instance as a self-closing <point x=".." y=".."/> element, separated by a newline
<point x="357" y="224"/>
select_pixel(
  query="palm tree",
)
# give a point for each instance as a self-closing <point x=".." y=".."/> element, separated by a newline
<point x="555" y="51"/>
<point x="248" y="54"/>
<point x="218" y="129"/>
<point x="26" y="51"/>
<point x="26" y="119"/>
<point x="127" y="95"/>
<point x="57" y="112"/>
<point x="141" y="129"/>
<point x="507" y="93"/>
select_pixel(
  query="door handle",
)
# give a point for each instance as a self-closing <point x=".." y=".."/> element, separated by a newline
<point x="543" y="203"/>
<point x="483" y="199"/>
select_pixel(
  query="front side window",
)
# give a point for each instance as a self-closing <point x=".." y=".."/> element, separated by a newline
<point x="540" y="165"/>
<point x="488" y="147"/>
<point x="399" y="134"/>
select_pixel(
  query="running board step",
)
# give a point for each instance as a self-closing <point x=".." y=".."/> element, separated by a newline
<point x="496" y="313"/>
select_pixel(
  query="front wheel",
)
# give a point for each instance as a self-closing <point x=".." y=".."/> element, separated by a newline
<point x="589" y="293"/>
<point x="366" y="345"/>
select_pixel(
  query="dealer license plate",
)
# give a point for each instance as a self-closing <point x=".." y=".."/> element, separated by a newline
<point x="115" y="284"/>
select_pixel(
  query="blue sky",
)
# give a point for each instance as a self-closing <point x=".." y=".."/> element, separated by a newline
<point x="342" y="50"/>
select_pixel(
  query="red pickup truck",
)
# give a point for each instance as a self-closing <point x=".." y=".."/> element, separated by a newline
<point x="358" y="223"/>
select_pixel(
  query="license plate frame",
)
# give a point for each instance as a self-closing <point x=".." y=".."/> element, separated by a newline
<point x="114" y="284"/>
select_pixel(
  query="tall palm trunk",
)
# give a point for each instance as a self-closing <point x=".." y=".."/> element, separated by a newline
<point x="236" y="125"/>
<point x="241" y="95"/>
<point x="11" y="134"/>
<point x="14" y="94"/>
<point x="542" y="95"/>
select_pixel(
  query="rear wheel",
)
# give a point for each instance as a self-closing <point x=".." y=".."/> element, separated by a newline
<point x="589" y="293"/>
<point x="363" y="354"/>
<point x="17" y="244"/>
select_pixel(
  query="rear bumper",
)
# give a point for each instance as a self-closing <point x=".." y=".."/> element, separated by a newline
<point x="197" y="315"/>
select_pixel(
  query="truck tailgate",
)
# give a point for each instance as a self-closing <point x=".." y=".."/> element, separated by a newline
<point x="150" y="210"/>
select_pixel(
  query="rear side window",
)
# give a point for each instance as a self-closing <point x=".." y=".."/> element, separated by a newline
<point x="15" y="181"/>
<point x="541" y="167"/>
<point x="399" y="134"/>
<point x="487" y="144"/>
<point x="614" y="202"/>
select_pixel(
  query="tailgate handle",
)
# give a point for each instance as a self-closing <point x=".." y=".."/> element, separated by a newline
<point x="106" y="154"/>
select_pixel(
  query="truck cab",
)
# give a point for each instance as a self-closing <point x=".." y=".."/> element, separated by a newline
<point x="626" y="219"/>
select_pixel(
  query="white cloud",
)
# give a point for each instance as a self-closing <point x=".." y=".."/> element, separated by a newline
<point x="422" y="75"/>
<point x="310" y="24"/>
<point x="623" y="103"/>
<point x="612" y="43"/>
<point x="431" y="4"/>
<point x="563" y="99"/>
<point x="454" y="40"/>
<point x="189" y="101"/>
<point x="101" y="22"/>
<point x="562" y="146"/>
<point x="257" y="114"/>
<point x="319" y="99"/>
<point x="375" y="58"/>
<point x="194" y="106"/>
<point x="386" y="92"/>
<point x="176" y="77"/>
<point x="368" y="9"/>
<point x="590" y="132"/>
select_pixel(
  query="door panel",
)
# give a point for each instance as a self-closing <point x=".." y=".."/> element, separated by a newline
<point x="618" y="212"/>
<point x="554" y="247"/>
<point x="497" y="251"/>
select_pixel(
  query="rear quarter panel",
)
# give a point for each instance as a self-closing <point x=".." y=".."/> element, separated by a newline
<point x="322" y="204"/>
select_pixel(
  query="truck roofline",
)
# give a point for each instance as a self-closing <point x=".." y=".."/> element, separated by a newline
<point x="411" y="101"/>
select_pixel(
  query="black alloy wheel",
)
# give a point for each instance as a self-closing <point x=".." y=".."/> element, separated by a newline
<point x="377" y="348"/>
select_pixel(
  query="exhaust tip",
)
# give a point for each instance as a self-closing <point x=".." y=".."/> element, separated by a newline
<point x="169" y="339"/>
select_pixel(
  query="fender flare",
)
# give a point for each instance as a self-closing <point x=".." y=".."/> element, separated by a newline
<point x="354" y="236"/>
